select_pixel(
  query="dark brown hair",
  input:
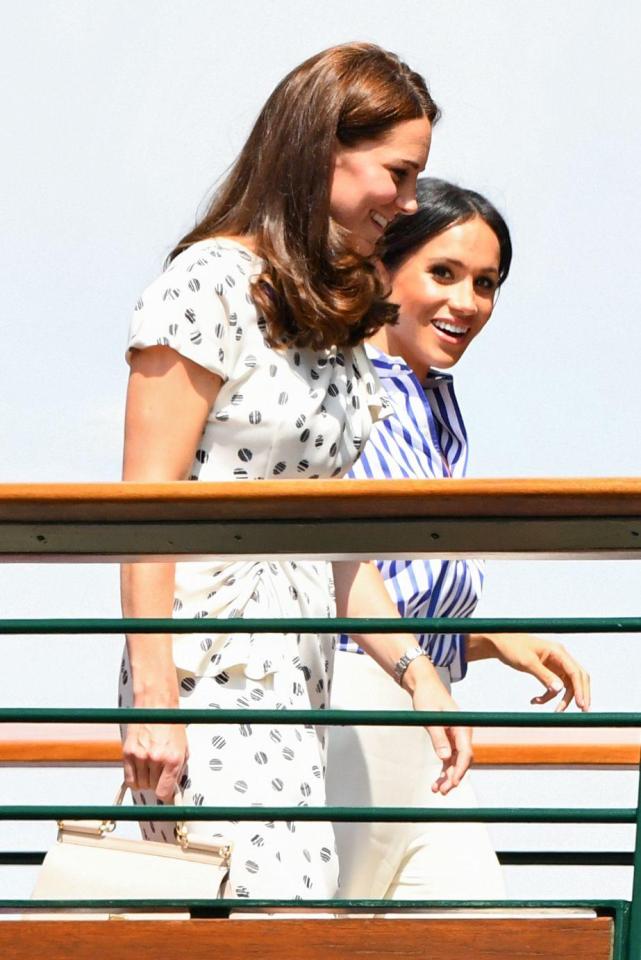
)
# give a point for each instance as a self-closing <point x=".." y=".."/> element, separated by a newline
<point x="314" y="290"/>
<point x="440" y="205"/>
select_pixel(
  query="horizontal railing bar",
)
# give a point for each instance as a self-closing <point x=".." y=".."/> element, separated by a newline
<point x="318" y="814"/>
<point x="565" y="858"/>
<point x="325" y="625"/>
<point x="331" y="718"/>
<point x="21" y="858"/>
<point x="87" y="522"/>
<point x="546" y="751"/>
<point x="224" y="905"/>
<point x="596" y="858"/>
<point x="308" y="499"/>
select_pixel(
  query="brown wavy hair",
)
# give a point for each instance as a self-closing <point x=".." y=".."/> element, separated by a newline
<point x="314" y="291"/>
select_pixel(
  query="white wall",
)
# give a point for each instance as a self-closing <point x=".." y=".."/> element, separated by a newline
<point x="118" y="117"/>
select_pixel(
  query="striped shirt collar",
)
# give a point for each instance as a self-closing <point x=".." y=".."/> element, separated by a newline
<point x="388" y="366"/>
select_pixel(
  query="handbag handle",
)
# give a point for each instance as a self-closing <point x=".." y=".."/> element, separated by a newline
<point x="180" y="830"/>
<point x="108" y="826"/>
<point x="187" y="840"/>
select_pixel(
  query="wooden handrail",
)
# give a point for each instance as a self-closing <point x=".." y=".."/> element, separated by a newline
<point x="325" y="519"/>
<point x="559" y="938"/>
<point x="321" y="499"/>
<point x="496" y="754"/>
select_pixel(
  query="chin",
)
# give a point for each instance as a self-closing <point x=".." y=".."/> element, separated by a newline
<point x="366" y="248"/>
<point x="444" y="361"/>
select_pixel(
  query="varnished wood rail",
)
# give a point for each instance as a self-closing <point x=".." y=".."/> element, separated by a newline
<point x="331" y="519"/>
<point x="92" y="752"/>
<point x="341" y="939"/>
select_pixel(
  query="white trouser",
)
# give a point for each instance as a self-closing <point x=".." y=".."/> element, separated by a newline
<point x="396" y="766"/>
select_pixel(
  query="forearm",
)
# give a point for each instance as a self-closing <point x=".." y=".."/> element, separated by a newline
<point x="361" y="592"/>
<point x="147" y="591"/>
<point x="495" y="646"/>
<point x="479" y="646"/>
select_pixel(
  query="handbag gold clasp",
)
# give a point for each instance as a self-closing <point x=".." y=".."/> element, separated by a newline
<point x="195" y="842"/>
<point x="180" y="832"/>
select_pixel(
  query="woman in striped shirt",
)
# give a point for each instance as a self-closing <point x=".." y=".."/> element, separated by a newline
<point x="446" y="264"/>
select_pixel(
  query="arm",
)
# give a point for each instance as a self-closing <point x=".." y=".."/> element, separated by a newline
<point x="546" y="660"/>
<point x="168" y="399"/>
<point x="361" y="592"/>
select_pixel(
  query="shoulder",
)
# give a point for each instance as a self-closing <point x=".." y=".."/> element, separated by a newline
<point x="200" y="305"/>
<point x="218" y="258"/>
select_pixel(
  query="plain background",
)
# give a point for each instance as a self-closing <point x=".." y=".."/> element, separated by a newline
<point x="117" y="120"/>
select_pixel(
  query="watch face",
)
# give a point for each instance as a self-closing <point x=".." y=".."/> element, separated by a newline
<point x="404" y="661"/>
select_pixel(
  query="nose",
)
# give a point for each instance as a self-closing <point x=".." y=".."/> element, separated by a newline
<point x="406" y="202"/>
<point x="462" y="300"/>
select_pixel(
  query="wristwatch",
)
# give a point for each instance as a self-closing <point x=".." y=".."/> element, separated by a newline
<point x="401" y="665"/>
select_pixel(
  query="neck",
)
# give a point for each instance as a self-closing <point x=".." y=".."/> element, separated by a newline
<point x="381" y="339"/>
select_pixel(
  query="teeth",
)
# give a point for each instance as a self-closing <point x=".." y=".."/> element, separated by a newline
<point x="450" y="328"/>
<point x="381" y="221"/>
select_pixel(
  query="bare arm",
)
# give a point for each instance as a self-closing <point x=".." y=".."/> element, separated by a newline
<point x="544" y="659"/>
<point x="361" y="592"/>
<point x="168" y="399"/>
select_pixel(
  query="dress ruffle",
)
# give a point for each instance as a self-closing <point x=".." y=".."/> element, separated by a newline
<point x="248" y="590"/>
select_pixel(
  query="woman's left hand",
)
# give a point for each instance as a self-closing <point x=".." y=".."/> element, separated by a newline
<point x="544" y="659"/>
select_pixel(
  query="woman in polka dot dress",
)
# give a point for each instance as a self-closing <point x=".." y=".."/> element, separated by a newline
<point x="247" y="362"/>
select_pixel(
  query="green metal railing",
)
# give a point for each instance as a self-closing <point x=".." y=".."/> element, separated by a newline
<point x="626" y="915"/>
<point x="27" y="536"/>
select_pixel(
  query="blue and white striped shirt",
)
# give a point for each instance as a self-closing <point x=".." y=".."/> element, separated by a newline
<point x="423" y="438"/>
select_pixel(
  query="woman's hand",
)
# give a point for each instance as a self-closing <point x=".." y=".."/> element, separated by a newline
<point x="154" y="757"/>
<point x="544" y="659"/>
<point x="452" y="745"/>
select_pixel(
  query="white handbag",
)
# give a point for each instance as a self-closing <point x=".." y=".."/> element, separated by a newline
<point x="88" y="863"/>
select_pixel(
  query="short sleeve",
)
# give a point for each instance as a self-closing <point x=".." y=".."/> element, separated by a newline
<point x="183" y="309"/>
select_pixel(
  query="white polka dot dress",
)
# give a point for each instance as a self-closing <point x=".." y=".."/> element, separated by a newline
<point x="279" y="414"/>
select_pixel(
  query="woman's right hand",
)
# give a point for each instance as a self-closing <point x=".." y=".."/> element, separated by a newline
<point x="154" y="757"/>
<point x="452" y="745"/>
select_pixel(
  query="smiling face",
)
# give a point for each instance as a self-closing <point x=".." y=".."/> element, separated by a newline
<point x="375" y="180"/>
<point x="446" y="291"/>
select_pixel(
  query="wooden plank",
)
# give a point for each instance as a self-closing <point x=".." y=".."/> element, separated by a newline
<point x="557" y="754"/>
<point x="588" y="517"/>
<point x="328" y="539"/>
<point x="369" y="939"/>
<point x="485" y="754"/>
<point x="60" y="751"/>
<point x="323" y="519"/>
<point x="320" y="499"/>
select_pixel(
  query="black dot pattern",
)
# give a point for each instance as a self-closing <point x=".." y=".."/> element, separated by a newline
<point x="202" y="308"/>
<point x="278" y="414"/>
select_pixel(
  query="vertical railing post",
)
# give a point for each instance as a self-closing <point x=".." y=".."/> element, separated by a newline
<point x="634" y="939"/>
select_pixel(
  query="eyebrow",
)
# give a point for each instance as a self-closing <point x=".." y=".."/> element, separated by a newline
<point x="459" y="263"/>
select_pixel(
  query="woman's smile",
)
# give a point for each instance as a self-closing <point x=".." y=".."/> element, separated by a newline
<point x="446" y="292"/>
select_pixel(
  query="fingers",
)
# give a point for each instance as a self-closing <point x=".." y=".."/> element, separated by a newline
<point x="135" y="764"/>
<point x="153" y="758"/>
<point x="168" y="775"/>
<point x="464" y="755"/>
<point x="454" y="747"/>
<point x="568" y="675"/>
<point x="441" y="743"/>
<point x="557" y="670"/>
<point x="577" y="684"/>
